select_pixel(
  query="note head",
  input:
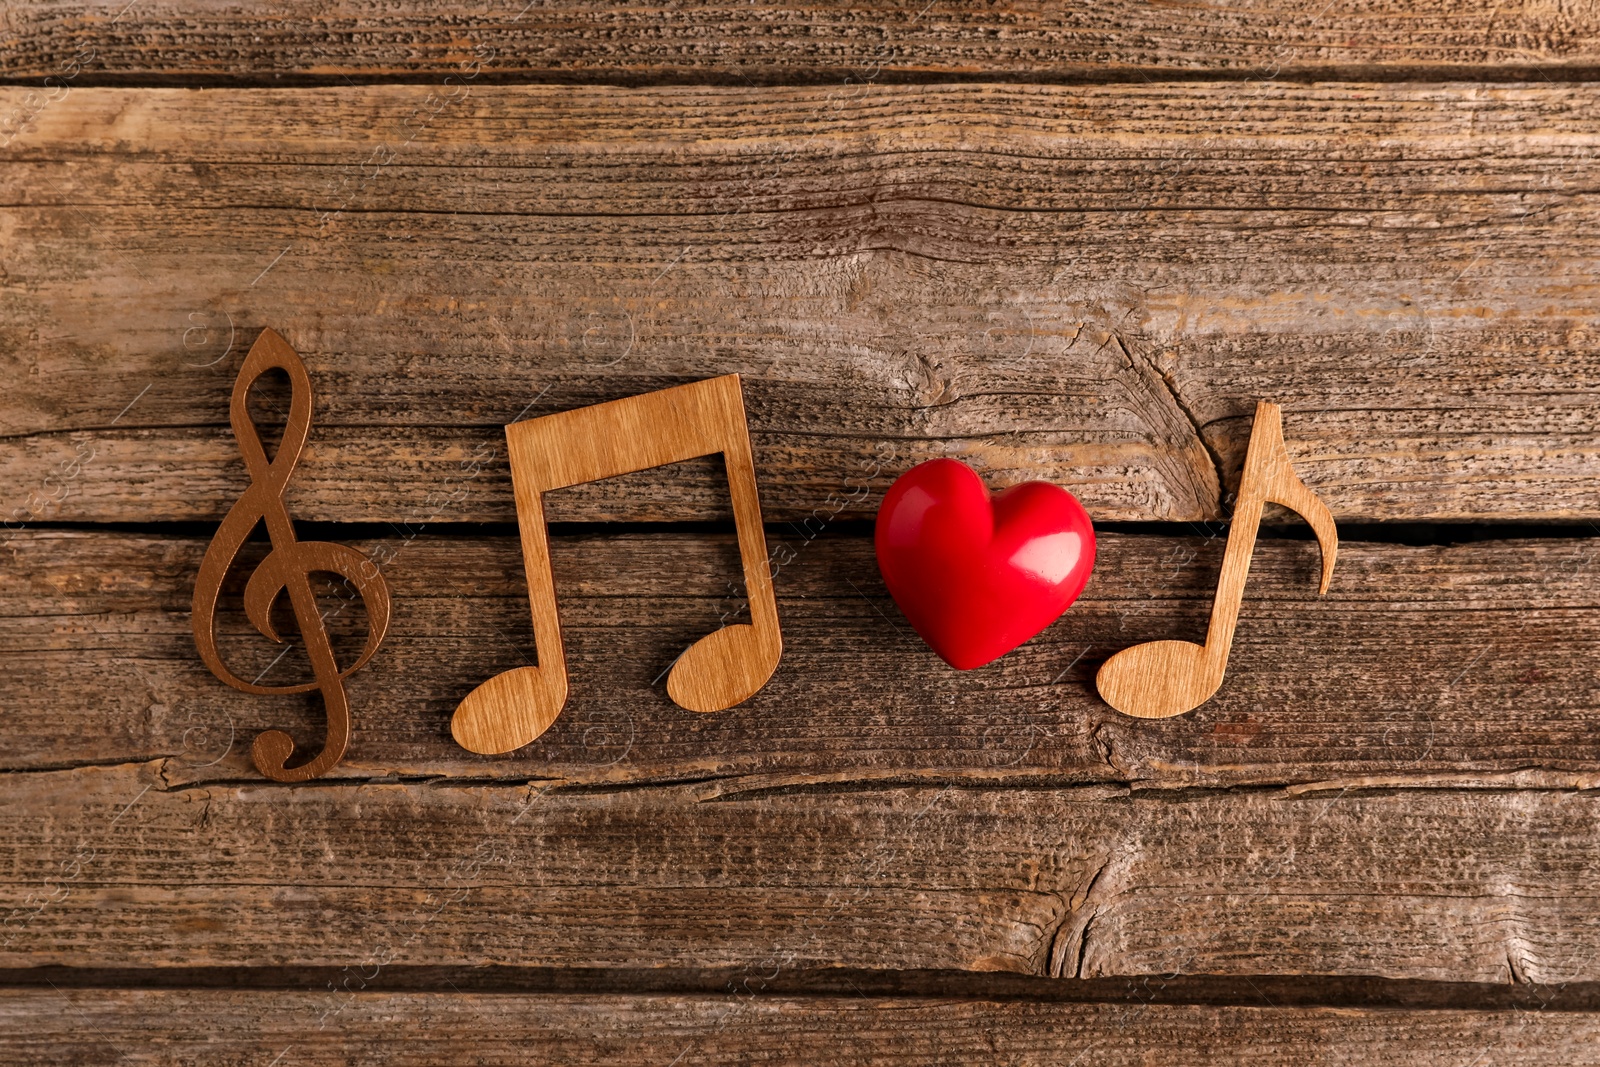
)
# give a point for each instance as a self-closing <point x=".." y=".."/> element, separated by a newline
<point x="508" y="711"/>
<point x="724" y="668"/>
<point x="1159" y="679"/>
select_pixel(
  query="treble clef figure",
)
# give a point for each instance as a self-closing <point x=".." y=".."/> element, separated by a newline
<point x="288" y="567"/>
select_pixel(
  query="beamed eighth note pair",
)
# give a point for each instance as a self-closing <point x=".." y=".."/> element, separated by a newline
<point x="976" y="575"/>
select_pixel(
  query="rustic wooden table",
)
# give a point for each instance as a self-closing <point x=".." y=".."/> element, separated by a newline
<point x="1066" y="242"/>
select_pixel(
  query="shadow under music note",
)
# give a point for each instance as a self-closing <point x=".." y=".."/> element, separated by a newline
<point x="603" y="441"/>
<point x="288" y="567"/>
<point x="1165" y="678"/>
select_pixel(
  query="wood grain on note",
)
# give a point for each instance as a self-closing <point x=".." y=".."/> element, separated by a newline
<point x="1160" y="679"/>
<point x="603" y="441"/>
<point x="287" y="569"/>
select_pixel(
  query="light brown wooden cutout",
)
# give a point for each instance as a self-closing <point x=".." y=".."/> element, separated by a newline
<point x="1164" y="678"/>
<point x="603" y="441"/>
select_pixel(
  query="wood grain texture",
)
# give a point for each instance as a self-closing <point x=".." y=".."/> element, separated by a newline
<point x="111" y="867"/>
<point x="251" y="1027"/>
<point x="579" y="40"/>
<point x="914" y="232"/>
<point x="1088" y="285"/>
<point x="1432" y="666"/>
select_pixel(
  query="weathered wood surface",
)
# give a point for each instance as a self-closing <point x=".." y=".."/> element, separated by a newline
<point x="580" y="40"/>
<point x="1091" y="285"/>
<point x="1461" y="665"/>
<point x="92" y="1026"/>
<point x="111" y="867"/>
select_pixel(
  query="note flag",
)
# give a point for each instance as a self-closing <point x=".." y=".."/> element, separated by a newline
<point x="1165" y="678"/>
<point x="603" y="441"/>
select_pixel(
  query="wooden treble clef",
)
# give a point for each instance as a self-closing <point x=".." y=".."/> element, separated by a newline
<point x="288" y="567"/>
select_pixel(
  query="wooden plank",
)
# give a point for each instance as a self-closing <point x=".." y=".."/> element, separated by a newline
<point x="724" y="41"/>
<point x="1428" y="665"/>
<point x="1090" y="285"/>
<point x="226" y="1027"/>
<point x="111" y="867"/>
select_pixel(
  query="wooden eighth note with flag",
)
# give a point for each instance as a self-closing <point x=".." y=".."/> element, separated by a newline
<point x="1164" y="678"/>
<point x="603" y="441"/>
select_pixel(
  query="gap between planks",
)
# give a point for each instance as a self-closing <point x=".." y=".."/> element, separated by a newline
<point x="1259" y="990"/>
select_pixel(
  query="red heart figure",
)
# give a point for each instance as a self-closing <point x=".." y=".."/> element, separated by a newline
<point x="977" y="576"/>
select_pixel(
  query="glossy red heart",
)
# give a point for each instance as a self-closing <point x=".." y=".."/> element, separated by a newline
<point x="978" y="575"/>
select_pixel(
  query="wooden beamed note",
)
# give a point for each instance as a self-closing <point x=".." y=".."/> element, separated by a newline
<point x="1159" y="679"/>
<point x="603" y="441"/>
